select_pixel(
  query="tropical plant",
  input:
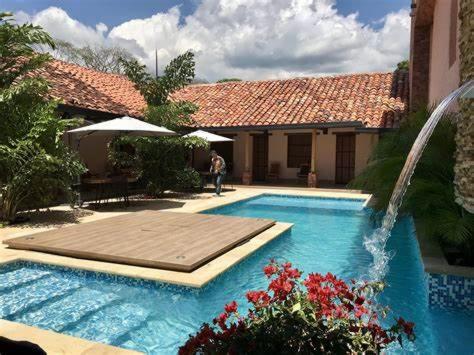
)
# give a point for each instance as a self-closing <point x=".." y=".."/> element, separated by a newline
<point x="161" y="162"/>
<point x="35" y="164"/>
<point x="177" y="74"/>
<point x="430" y="197"/>
<point x="319" y="315"/>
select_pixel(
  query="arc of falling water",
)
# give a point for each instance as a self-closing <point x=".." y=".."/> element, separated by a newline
<point x="375" y="244"/>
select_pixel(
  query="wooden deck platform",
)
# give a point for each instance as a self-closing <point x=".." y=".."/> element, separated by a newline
<point x="165" y="240"/>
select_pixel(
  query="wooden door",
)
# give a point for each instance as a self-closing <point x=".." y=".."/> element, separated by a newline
<point x="260" y="157"/>
<point x="345" y="157"/>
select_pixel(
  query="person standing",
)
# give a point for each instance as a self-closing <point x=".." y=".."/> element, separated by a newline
<point x="218" y="171"/>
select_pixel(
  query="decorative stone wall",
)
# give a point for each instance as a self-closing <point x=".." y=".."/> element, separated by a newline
<point x="464" y="169"/>
<point x="449" y="291"/>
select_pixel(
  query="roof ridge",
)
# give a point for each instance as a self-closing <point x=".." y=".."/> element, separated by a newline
<point x="121" y="76"/>
<point x="294" y="78"/>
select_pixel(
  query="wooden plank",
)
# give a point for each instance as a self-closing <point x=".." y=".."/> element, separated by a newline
<point x="165" y="240"/>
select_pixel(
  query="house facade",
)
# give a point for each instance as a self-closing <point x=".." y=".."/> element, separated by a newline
<point x="324" y="127"/>
<point x="329" y="124"/>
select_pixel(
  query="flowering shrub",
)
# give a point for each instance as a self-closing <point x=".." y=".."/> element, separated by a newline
<point x="320" y="314"/>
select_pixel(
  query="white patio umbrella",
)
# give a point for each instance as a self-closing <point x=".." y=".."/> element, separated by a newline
<point x="210" y="137"/>
<point x="124" y="125"/>
<point x="119" y="126"/>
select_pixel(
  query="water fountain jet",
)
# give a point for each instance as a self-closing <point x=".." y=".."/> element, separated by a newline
<point x="376" y="243"/>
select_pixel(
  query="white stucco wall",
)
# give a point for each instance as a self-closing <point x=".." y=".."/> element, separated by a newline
<point x="94" y="152"/>
<point x="326" y="152"/>
<point x="365" y="144"/>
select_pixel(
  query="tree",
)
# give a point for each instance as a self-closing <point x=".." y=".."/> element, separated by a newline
<point x="101" y="58"/>
<point x="403" y="65"/>
<point x="161" y="162"/>
<point x="34" y="162"/>
<point x="226" y="80"/>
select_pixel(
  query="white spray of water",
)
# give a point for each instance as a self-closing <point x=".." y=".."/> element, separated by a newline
<point x="376" y="242"/>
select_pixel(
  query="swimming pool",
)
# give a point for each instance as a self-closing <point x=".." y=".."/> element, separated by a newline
<point x="157" y="318"/>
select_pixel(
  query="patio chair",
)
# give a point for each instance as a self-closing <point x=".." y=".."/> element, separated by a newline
<point x="274" y="172"/>
<point x="302" y="175"/>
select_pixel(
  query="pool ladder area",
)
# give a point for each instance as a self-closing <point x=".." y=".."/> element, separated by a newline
<point x="41" y="299"/>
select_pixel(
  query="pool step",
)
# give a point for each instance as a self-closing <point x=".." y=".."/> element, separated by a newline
<point x="20" y="277"/>
<point x="110" y="323"/>
<point x="145" y="337"/>
<point x="28" y="298"/>
<point x="68" y="310"/>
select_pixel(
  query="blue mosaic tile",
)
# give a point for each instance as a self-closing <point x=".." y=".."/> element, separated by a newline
<point x="96" y="275"/>
<point x="348" y="199"/>
<point x="449" y="291"/>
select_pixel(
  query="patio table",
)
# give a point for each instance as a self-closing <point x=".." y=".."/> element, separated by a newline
<point x="109" y="187"/>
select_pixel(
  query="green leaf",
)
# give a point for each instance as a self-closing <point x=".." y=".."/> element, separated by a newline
<point x="296" y="307"/>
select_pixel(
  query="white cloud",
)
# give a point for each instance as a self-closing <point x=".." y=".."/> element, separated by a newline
<point x="101" y="27"/>
<point x="61" y="26"/>
<point x="251" y="39"/>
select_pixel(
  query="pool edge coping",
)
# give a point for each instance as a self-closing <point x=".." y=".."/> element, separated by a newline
<point x="196" y="279"/>
<point x="57" y="343"/>
<point x="433" y="259"/>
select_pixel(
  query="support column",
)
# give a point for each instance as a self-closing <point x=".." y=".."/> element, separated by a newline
<point x="312" y="178"/>
<point x="247" y="174"/>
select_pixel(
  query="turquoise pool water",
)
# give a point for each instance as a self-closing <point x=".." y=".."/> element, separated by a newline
<point x="156" y="318"/>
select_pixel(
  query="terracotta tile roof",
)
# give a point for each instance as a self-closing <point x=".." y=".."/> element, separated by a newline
<point x="90" y="89"/>
<point x="377" y="100"/>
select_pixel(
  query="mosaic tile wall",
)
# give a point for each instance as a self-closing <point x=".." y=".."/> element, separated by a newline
<point x="447" y="291"/>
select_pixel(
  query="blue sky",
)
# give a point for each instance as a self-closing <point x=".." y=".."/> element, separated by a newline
<point x="249" y="39"/>
<point x="114" y="12"/>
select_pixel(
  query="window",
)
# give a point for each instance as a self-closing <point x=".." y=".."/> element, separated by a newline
<point x="299" y="150"/>
<point x="453" y="32"/>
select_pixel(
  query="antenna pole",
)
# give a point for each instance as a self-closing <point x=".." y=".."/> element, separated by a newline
<point x="156" y="63"/>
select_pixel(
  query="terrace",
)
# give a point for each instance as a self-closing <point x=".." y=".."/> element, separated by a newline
<point x="66" y="223"/>
<point x="143" y="257"/>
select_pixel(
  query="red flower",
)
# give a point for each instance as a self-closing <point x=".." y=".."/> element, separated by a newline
<point x="281" y="286"/>
<point x="269" y="270"/>
<point x="360" y="300"/>
<point x="221" y="319"/>
<point x="406" y="326"/>
<point x="231" y="307"/>
<point x="360" y="311"/>
<point x="332" y="302"/>
<point x="258" y="298"/>
<point x="293" y="273"/>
